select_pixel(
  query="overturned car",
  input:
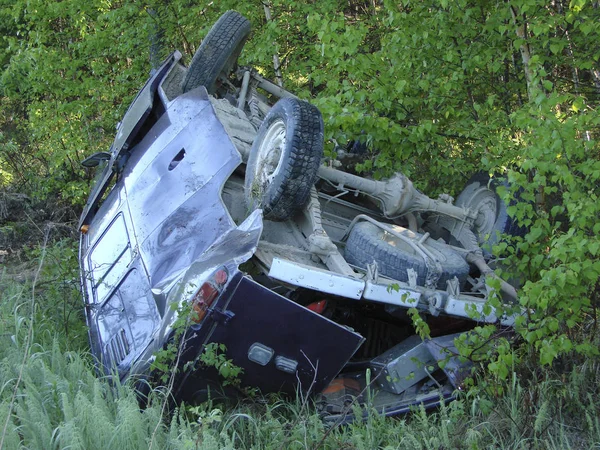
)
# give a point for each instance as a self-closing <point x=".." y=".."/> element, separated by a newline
<point x="213" y="202"/>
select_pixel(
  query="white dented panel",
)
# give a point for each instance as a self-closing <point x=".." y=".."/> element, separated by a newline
<point x="316" y="279"/>
<point x="385" y="294"/>
<point x="461" y="308"/>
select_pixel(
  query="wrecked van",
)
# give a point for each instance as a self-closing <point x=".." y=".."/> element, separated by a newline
<point x="213" y="208"/>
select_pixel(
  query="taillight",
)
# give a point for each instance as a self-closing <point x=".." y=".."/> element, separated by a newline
<point x="208" y="293"/>
<point x="221" y="276"/>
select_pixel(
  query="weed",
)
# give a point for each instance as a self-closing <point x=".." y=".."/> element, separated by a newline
<point x="213" y="355"/>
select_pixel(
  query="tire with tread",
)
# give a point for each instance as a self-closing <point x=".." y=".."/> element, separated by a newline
<point x="218" y="52"/>
<point x="281" y="183"/>
<point x="367" y="243"/>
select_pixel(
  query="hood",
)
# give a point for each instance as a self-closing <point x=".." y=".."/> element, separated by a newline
<point x="173" y="185"/>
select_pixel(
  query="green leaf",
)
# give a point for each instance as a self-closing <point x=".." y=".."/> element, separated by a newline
<point x="556" y="48"/>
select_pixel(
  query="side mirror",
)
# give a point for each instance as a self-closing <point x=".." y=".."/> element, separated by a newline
<point x="95" y="159"/>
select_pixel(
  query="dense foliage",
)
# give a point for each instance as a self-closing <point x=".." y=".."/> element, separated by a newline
<point x="437" y="89"/>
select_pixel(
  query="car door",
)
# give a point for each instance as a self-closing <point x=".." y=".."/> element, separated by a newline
<point x="280" y="345"/>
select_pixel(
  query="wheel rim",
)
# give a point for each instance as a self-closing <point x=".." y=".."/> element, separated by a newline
<point x="484" y="202"/>
<point x="269" y="156"/>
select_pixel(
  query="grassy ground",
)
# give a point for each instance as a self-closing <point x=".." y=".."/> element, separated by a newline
<point x="51" y="397"/>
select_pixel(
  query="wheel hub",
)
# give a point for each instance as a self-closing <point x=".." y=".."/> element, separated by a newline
<point x="484" y="202"/>
<point x="269" y="156"/>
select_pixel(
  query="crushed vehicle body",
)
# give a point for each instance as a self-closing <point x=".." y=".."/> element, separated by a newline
<point x="213" y="209"/>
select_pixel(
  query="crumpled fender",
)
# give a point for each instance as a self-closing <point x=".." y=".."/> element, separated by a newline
<point x="232" y="249"/>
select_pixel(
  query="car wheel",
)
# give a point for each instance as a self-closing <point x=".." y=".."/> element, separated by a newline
<point x="284" y="159"/>
<point x="218" y="52"/>
<point x="492" y="216"/>
<point x="368" y="242"/>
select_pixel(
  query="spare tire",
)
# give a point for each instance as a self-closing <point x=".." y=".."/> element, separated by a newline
<point x="218" y="52"/>
<point x="492" y="218"/>
<point x="284" y="159"/>
<point x="368" y="242"/>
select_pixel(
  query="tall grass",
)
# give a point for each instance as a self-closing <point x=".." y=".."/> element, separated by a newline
<point x="52" y="398"/>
